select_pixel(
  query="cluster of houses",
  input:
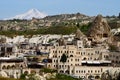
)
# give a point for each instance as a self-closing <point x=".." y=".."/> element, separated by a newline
<point x="20" y="54"/>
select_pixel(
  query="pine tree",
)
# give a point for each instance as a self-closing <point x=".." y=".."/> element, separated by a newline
<point x="63" y="60"/>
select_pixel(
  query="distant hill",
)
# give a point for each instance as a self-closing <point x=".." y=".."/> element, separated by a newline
<point x="67" y="17"/>
<point x="33" y="20"/>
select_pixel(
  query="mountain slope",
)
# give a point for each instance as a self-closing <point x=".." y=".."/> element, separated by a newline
<point x="29" y="15"/>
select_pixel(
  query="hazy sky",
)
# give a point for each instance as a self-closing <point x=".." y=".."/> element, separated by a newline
<point x="10" y="8"/>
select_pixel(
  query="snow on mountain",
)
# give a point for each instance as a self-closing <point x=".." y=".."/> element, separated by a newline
<point x="29" y="15"/>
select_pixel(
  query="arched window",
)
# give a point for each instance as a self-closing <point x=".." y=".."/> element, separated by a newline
<point x="8" y="67"/>
<point x="90" y="77"/>
<point x="13" y="67"/>
<point x="4" y="67"/>
<point x="84" y="58"/>
<point x="71" y="55"/>
<point x="97" y="77"/>
<point x="26" y="72"/>
<point x="67" y="71"/>
<point x="61" y="71"/>
<point x="21" y="66"/>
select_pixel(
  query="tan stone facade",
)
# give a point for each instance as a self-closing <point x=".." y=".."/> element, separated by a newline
<point x="83" y="62"/>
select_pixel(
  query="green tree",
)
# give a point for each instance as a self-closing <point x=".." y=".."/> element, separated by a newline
<point x="63" y="59"/>
<point x="64" y="77"/>
<point x="46" y="70"/>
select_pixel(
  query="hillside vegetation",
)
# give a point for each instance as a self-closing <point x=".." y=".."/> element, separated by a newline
<point x="50" y="30"/>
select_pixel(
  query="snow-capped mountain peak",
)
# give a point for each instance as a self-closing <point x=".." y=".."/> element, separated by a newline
<point x="29" y="15"/>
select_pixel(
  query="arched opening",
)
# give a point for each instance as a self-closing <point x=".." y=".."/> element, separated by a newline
<point x="13" y="67"/>
<point x="4" y="67"/>
<point x="91" y="77"/>
<point x="84" y="58"/>
<point x="26" y="72"/>
<point x="21" y="66"/>
<point x="97" y="77"/>
<point x="67" y="71"/>
<point x="105" y="35"/>
<point x="61" y="71"/>
<point x="71" y="55"/>
<point x="8" y="67"/>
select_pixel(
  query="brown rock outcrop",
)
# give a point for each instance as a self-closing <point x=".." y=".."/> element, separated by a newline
<point x="100" y="30"/>
<point x="79" y="35"/>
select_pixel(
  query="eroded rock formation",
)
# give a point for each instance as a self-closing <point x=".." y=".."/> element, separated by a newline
<point x="100" y="31"/>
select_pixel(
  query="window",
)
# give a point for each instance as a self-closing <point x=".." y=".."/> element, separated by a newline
<point x="84" y="58"/>
<point x="81" y="71"/>
<point x="76" y="71"/>
<point x="117" y="57"/>
<point x="112" y="61"/>
<point x="91" y="71"/>
<point x="95" y="71"/>
<point x="98" y="71"/>
<point x="55" y="56"/>
<point x="71" y="55"/>
<point x="65" y="66"/>
<point x="88" y="71"/>
<point x="75" y="59"/>
<point x="72" y="51"/>
<point x="105" y="35"/>
<point x="81" y="53"/>
<point x="60" y="66"/>
<point x="84" y="71"/>
<point x="84" y="53"/>
<point x="68" y="60"/>
<point x="55" y="51"/>
<point x="88" y="53"/>
<point x="72" y="71"/>
<point x="67" y="51"/>
<point x="90" y="58"/>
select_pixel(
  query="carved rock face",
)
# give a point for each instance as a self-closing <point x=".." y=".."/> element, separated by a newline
<point x="100" y="29"/>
